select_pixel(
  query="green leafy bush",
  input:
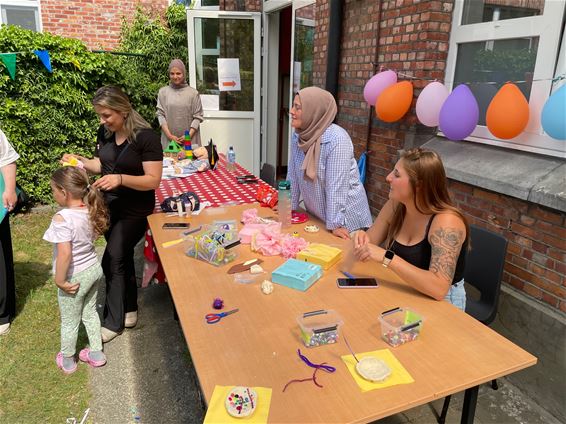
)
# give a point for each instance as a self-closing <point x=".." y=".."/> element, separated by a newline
<point x="47" y="114"/>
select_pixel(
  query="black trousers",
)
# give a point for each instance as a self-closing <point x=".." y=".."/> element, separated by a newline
<point x="119" y="270"/>
<point x="7" y="282"/>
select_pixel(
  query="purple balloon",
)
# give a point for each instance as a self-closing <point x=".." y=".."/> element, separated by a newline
<point x="459" y="114"/>
<point x="377" y="84"/>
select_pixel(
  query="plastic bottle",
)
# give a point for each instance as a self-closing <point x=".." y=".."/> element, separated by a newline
<point x="231" y="156"/>
<point x="284" y="202"/>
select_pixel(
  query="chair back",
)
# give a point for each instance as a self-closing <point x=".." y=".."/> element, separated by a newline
<point x="484" y="269"/>
<point x="267" y="174"/>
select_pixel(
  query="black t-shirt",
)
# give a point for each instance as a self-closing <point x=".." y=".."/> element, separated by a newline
<point x="145" y="148"/>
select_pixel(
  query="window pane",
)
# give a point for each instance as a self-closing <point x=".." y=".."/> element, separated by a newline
<point x="304" y="47"/>
<point x="497" y="61"/>
<point x="226" y="39"/>
<point x="20" y="16"/>
<point x="476" y="11"/>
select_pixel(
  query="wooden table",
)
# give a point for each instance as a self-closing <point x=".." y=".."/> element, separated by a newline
<point x="258" y="345"/>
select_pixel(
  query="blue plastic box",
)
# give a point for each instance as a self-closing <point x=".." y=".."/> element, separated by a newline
<point x="296" y="274"/>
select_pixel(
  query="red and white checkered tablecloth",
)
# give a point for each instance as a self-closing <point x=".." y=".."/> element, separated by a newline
<point x="218" y="186"/>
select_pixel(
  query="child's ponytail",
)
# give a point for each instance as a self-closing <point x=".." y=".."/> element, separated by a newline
<point x="97" y="210"/>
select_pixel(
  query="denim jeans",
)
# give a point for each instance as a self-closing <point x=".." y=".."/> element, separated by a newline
<point x="457" y="295"/>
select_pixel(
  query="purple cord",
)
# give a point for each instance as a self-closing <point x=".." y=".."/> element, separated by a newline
<point x="326" y="368"/>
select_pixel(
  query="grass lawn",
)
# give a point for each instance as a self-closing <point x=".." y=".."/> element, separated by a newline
<point x="32" y="388"/>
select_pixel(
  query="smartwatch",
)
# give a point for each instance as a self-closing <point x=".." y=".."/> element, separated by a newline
<point x="387" y="258"/>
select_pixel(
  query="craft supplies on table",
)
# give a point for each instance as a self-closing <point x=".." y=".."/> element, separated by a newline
<point x="296" y="274"/>
<point x="319" y="327"/>
<point x="321" y="254"/>
<point x="399" y="375"/>
<point x="400" y="325"/>
<point x="214" y="245"/>
<point x="218" y="414"/>
<point x="214" y="318"/>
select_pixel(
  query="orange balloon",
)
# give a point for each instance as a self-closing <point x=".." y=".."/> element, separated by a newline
<point x="394" y="101"/>
<point x="508" y="112"/>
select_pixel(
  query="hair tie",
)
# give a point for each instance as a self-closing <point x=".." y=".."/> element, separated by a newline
<point x="87" y="187"/>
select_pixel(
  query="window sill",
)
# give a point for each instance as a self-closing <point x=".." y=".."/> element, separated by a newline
<point x="534" y="178"/>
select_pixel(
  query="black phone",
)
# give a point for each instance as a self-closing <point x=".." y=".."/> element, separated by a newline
<point x="357" y="283"/>
<point x="176" y="225"/>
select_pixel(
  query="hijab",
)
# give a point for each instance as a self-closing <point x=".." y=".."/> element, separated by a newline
<point x="319" y="110"/>
<point x="178" y="63"/>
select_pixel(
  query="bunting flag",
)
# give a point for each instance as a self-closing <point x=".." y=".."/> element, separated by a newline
<point x="9" y="60"/>
<point x="44" y="57"/>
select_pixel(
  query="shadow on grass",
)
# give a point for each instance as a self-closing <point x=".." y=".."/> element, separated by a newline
<point x="30" y="276"/>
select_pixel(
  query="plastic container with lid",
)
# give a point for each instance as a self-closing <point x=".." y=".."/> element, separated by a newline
<point x="319" y="327"/>
<point x="400" y="325"/>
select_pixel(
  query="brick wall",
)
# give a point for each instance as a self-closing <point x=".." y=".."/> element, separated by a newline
<point x="96" y="22"/>
<point x="412" y="37"/>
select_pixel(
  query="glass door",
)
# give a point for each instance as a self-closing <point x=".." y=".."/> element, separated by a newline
<point x="225" y="67"/>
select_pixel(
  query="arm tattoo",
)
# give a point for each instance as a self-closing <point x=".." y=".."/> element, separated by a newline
<point x="446" y="244"/>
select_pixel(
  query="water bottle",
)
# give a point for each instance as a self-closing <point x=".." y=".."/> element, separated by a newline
<point x="231" y="156"/>
<point x="284" y="202"/>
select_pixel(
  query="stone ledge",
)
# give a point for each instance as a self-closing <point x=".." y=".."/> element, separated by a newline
<point x="535" y="178"/>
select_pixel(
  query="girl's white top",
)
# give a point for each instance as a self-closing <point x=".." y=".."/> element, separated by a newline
<point x="76" y="229"/>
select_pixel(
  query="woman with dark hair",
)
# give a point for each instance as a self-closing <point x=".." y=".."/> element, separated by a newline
<point x="129" y="156"/>
<point x="419" y="233"/>
<point x="179" y="108"/>
<point x="322" y="168"/>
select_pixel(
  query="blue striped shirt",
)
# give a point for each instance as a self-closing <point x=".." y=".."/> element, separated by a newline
<point x="336" y="196"/>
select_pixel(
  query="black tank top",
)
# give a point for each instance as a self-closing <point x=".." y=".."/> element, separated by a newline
<point x="419" y="254"/>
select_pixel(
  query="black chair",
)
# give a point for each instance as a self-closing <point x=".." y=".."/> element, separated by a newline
<point x="484" y="269"/>
<point x="267" y="174"/>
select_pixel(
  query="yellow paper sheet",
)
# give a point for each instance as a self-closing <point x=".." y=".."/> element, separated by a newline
<point x="399" y="374"/>
<point x="216" y="413"/>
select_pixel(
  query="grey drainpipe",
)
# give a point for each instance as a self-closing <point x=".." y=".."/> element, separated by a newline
<point x="333" y="47"/>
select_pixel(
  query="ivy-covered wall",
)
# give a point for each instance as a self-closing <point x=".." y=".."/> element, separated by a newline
<point x="47" y="114"/>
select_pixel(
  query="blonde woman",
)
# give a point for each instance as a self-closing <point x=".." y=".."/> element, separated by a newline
<point x="129" y="157"/>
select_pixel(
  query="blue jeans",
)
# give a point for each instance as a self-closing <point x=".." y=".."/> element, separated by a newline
<point x="457" y="295"/>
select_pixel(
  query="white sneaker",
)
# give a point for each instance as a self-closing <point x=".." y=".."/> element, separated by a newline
<point x="107" y="334"/>
<point x="4" y="329"/>
<point x="131" y="319"/>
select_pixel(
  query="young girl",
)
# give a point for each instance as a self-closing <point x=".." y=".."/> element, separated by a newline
<point x="76" y="268"/>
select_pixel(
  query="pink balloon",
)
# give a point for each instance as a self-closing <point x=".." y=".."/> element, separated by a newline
<point x="430" y="102"/>
<point x="377" y="84"/>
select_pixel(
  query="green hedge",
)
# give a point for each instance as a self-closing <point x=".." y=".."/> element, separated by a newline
<point x="47" y="114"/>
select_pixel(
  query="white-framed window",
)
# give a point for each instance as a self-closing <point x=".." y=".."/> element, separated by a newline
<point x="24" y="13"/>
<point x="509" y="40"/>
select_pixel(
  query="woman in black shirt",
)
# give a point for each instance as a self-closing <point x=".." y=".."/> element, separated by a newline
<point x="424" y="236"/>
<point x="128" y="155"/>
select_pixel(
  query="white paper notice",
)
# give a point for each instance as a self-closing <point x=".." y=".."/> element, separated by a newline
<point x="210" y="101"/>
<point x="229" y="75"/>
<point x="296" y="77"/>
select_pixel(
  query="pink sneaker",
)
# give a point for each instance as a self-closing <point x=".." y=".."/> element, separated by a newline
<point x="85" y="357"/>
<point x="59" y="362"/>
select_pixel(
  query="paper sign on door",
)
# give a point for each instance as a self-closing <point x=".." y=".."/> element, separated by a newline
<point x="229" y="75"/>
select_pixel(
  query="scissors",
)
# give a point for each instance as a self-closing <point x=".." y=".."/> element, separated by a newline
<point x="214" y="318"/>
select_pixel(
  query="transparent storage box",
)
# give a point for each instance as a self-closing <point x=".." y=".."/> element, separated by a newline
<point x="214" y="245"/>
<point x="319" y="327"/>
<point x="400" y="325"/>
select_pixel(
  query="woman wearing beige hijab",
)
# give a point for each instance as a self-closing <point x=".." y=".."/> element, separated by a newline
<point x="322" y="168"/>
<point x="179" y="108"/>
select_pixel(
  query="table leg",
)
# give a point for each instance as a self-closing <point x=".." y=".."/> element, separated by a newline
<point x="469" y="407"/>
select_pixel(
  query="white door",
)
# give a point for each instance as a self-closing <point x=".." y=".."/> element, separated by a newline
<point x="225" y="67"/>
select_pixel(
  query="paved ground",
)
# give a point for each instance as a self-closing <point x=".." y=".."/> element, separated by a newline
<point x="149" y="379"/>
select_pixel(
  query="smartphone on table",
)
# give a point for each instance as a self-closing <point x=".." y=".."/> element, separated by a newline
<point x="176" y="225"/>
<point x="357" y="283"/>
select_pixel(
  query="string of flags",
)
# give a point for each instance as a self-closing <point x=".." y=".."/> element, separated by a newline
<point x="9" y="60"/>
<point x="457" y="113"/>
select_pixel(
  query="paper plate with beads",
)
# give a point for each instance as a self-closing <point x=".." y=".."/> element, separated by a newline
<point x="241" y="401"/>
<point x="373" y="369"/>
